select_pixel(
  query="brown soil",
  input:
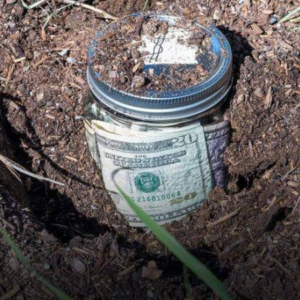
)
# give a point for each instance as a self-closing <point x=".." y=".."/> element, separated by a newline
<point x="248" y="234"/>
<point x="123" y="66"/>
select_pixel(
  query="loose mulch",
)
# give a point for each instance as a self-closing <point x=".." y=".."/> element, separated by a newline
<point x="248" y="234"/>
<point x="123" y="66"/>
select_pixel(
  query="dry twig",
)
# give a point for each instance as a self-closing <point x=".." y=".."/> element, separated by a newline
<point x="10" y="164"/>
<point x="104" y="14"/>
<point x="224" y="218"/>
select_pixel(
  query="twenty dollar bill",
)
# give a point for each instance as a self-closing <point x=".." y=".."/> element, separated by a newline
<point x="168" y="173"/>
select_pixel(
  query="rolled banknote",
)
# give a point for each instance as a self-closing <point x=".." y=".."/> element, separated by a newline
<point x="168" y="171"/>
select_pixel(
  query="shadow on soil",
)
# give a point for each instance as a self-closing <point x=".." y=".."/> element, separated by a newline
<point x="240" y="50"/>
<point x="51" y="209"/>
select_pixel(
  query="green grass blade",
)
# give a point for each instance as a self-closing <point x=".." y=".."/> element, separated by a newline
<point x="289" y="15"/>
<point x="189" y="260"/>
<point x="61" y="295"/>
<point x="296" y="20"/>
<point x="187" y="284"/>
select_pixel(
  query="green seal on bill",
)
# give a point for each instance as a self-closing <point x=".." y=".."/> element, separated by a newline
<point x="147" y="182"/>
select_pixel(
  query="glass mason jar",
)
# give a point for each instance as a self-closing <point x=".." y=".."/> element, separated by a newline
<point x="164" y="149"/>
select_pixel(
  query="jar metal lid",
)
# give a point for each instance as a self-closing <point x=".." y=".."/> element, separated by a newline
<point x="171" y="105"/>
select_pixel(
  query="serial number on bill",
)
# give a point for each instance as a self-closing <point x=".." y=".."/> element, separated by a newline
<point x="156" y="198"/>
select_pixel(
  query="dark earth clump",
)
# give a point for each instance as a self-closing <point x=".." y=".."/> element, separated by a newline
<point x="247" y="234"/>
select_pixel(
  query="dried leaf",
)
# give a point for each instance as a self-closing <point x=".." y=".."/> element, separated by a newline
<point x="80" y="80"/>
<point x="269" y="98"/>
<point x="258" y="93"/>
<point x="240" y="99"/>
<point x="151" y="271"/>
<point x="256" y="29"/>
<point x="248" y="3"/>
<point x="217" y="14"/>
<point x="43" y="34"/>
<point x="135" y="68"/>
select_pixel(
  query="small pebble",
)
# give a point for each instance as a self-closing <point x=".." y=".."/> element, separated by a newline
<point x="273" y="20"/>
<point x="32" y="35"/>
<point x="151" y="271"/>
<point x="150" y="294"/>
<point x="138" y="81"/>
<point x="78" y="266"/>
<point x="63" y="52"/>
<point x="135" y="53"/>
<point x="71" y="60"/>
<point x="14" y="263"/>
<point x="151" y="72"/>
<point x="68" y="91"/>
<point x="40" y="96"/>
<point x="112" y="74"/>
<point x="233" y="187"/>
